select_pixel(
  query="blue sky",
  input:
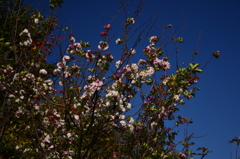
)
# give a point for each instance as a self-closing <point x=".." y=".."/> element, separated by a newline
<point x="215" y="110"/>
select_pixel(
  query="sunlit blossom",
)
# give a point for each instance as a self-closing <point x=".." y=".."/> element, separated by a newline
<point x="132" y="51"/>
<point x="118" y="63"/>
<point x="72" y="39"/>
<point x="119" y="41"/>
<point x="131" y="121"/>
<point x="36" y="20"/>
<point x="123" y="123"/>
<point x="176" y="97"/>
<point x="131" y="127"/>
<point x="43" y="71"/>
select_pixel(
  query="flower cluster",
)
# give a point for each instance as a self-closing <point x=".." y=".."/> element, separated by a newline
<point x="26" y="36"/>
<point x="153" y="39"/>
<point x="91" y="88"/>
<point x="161" y="64"/>
<point x="74" y="48"/>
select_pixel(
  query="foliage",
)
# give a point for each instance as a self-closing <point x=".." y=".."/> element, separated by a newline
<point x="237" y="141"/>
<point x="82" y="106"/>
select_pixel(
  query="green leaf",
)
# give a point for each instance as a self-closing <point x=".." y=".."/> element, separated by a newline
<point x="91" y="70"/>
<point x="191" y="65"/>
<point x="7" y="43"/>
<point x="198" y="70"/>
<point x="66" y="28"/>
<point x="149" y="81"/>
<point x="180" y="40"/>
<point x="196" y="65"/>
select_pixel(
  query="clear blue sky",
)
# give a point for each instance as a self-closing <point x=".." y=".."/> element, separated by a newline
<point x="215" y="110"/>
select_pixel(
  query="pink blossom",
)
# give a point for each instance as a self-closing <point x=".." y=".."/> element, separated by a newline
<point x="141" y="61"/>
<point x="66" y="74"/>
<point x="104" y="34"/>
<point x="195" y="81"/>
<point x="128" y="69"/>
<point x="16" y="76"/>
<point x="64" y="152"/>
<point x="153" y="39"/>
<point x="103" y="45"/>
<point x="61" y="65"/>
<point x="182" y="155"/>
<point x="43" y="71"/>
<point x="72" y="39"/>
<point x="56" y="71"/>
<point x="138" y="128"/>
<point x="87" y="55"/>
<point x="172" y="144"/>
<point x="76" y="117"/>
<point x="107" y="26"/>
<point x="65" y="57"/>
<point x="176" y="97"/>
<point x="164" y="63"/>
<point x="132" y="51"/>
<point x="114" y="155"/>
<point x="76" y="47"/>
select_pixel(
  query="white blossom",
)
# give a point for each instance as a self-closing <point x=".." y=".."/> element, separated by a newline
<point x="65" y="57"/>
<point x="153" y="124"/>
<point x="123" y="123"/>
<point x="76" y="117"/>
<point x="25" y="32"/>
<point x="131" y="121"/>
<point x="132" y="51"/>
<point x="131" y="127"/>
<point x="36" y="20"/>
<point x="60" y="83"/>
<point x="72" y="39"/>
<point x="118" y="63"/>
<point x="123" y="109"/>
<point x="112" y="93"/>
<point x="129" y="106"/>
<point x="176" y="97"/>
<point x="56" y="71"/>
<point x="27" y="43"/>
<point x="119" y="41"/>
<point x="43" y="71"/>
<point x="47" y="139"/>
<point x="122" y="117"/>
